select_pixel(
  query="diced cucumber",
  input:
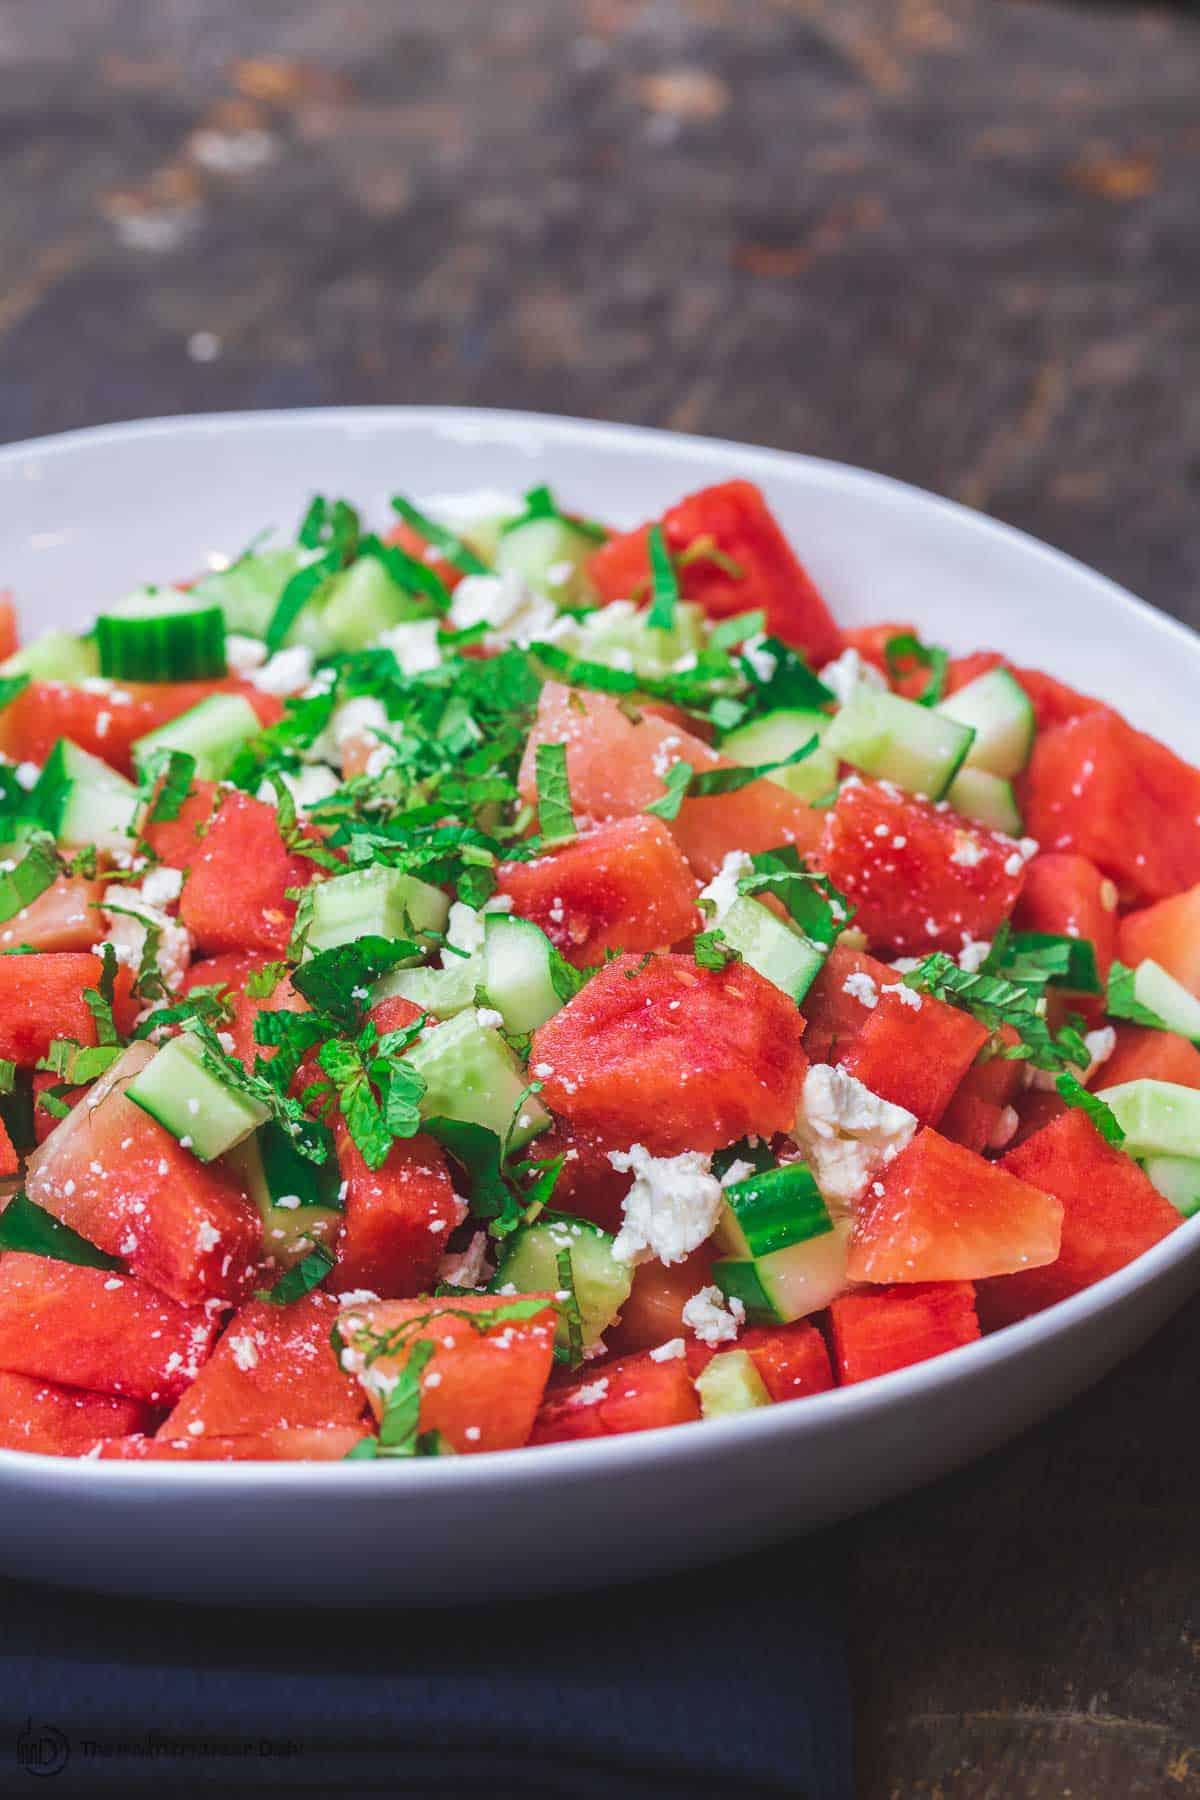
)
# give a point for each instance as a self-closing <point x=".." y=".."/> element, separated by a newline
<point x="470" y="1073"/>
<point x="1178" y="1008"/>
<point x="363" y="602"/>
<point x="780" y="734"/>
<point x="192" y="1102"/>
<point x="1177" y="1179"/>
<point x="770" y="1210"/>
<point x="82" y="801"/>
<point x="445" y="991"/>
<point x="791" y="1283"/>
<point x="529" y="1261"/>
<point x="730" y="1383"/>
<point x="896" y="740"/>
<point x="541" y="550"/>
<point x="55" y="656"/>
<point x="212" y="731"/>
<point x="1159" y="1118"/>
<point x="620" y="636"/>
<point x="775" y="949"/>
<point x="519" y="966"/>
<point x="161" y="634"/>
<point x="299" y="1200"/>
<point x="998" y="710"/>
<point x="374" y="902"/>
<point x="986" y="800"/>
<point x="249" y="590"/>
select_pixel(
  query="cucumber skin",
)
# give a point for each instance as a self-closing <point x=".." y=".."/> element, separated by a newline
<point x="872" y="733"/>
<point x="529" y="1260"/>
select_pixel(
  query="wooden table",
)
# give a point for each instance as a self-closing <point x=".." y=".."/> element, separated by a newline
<point x="956" y="242"/>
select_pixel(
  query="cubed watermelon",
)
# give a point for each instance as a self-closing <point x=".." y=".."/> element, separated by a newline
<point x="1110" y="1214"/>
<point x="1145" y="1055"/>
<point x="635" y="1393"/>
<point x="653" y="1313"/>
<point x="892" y="1327"/>
<point x="177" y="841"/>
<point x="660" y="1052"/>
<point x="839" y="1002"/>
<point x="231" y="971"/>
<point x="792" y="1359"/>
<point x="914" y="1050"/>
<point x="86" y="1328"/>
<point x="588" y="1185"/>
<point x="63" y="917"/>
<point x="1167" y="933"/>
<point x="397" y="1218"/>
<point x="107" y="719"/>
<point x="235" y="896"/>
<point x="920" y="877"/>
<point x="273" y="1369"/>
<point x="41" y="998"/>
<point x="329" y="1443"/>
<point x="976" y="1116"/>
<point x="621" y="886"/>
<point x="755" y="567"/>
<point x="938" y="1212"/>
<point x="1067" y="896"/>
<point x="53" y="1420"/>
<point x="9" y="1162"/>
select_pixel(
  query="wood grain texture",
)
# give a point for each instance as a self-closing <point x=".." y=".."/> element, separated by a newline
<point x="954" y="240"/>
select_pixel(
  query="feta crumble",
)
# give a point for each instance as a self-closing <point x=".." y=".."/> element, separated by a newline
<point x="714" y="1319"/>
<point x="721" y="892"/>
<point x="287" y="672"/>
<point x="670" y="1210"/>
<point x="847" y="672"/>
<point x="860" y="987"/>
<point x="846" y="1131"/>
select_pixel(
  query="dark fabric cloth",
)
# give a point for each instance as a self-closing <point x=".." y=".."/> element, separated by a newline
<point x="724" y="1682"/>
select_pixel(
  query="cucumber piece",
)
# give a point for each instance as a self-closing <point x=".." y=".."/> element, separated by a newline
<point x="791" y="1283"/>
<point x="730" y="1383"/>
<point x="160" y="634"/>
<point x="82" y="801"/>
<point x="191" y="1101"/>
<point x="299" y="1200"/>
<point x="248" y="592"/>
<point x="471" y="1074"/>
<point x="775" y="949"/>
<point x="545" y="548"/>
<point x="1177" y="1179"/>
<point x="55" y="656"/>
<point x="896" y="740"/>
<point x="1178" y="1008"/>
<point x="770" y="1210"/>
<point x="998" y="710"/>
<point x="374" y="902"/>
<point x="1159" y="1118"/>
<point x="529" y="1261"/>
<point x="445" y="991"/>
<point x="986" y="800"/>
<point x="362" y="603"/>
<point x="519" y="968"/>
<point x="478" y="518"/>
<point x="619" y="636"/>
<point x="777" y="735"/>
<point x="213" y="732"/>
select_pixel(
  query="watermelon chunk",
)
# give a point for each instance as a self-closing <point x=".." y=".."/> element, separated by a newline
<point x="235" y="895"/>
<point x="177" y="841"/>
<point x="107" y="720"/>
<point x="988" y="1089"/>
<point x="874" y="1333"/>
<point x="64" y="917"/>
<point x="616" y="768"/>
<point x="1143" y="1054"/>
<point x="9" y="1162"/>
<point x="1097" y="787"/>
<point x="622" y="886"/>
<point x="87" y="1328"/>
<point x="920" y="877"/>
<point x="914" y="1055"/>
<point x="397" y="1218"/>
<point x="44" y="1121"/>
<point x="836" y="1006"/>
<point x="792" y="1359"/>
<point x="588" y="1185"/>
<point x="1167" y="933"/>
<point x="1068" y="896"/>
<point x="41" y="998"/>
<point x="481" y="1388"/>
<point x="410" y="539"/>
<point x="1053" y="701"/>
<point x="871" y="642"/>
<point x="329" y="1443"/>
<point x="231" y="971"/>
<point x="940" y="1213"/>
<point x="1110" y="1214"/>
<point x="653" y="1312"/>
<point x="54" y="1420"/>
<point x="635" y="1393"/>
<point x="662" y="1053"/>
<point x="733" y="518"/>
<point x="274" y="1369"/>
<point x="114" y="1175"/>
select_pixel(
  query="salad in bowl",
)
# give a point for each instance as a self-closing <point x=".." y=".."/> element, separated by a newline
<point x="495" y="980"/>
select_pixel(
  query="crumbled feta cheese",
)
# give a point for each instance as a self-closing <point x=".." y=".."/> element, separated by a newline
<point x="1099" y="1046"/>
<point x="1014" y="863"/>
<point x="162" y="885"/>
<point x="721" y="892"/>
<point x="670" y="1210"/>
<point x="974" y="954"/>
<point x="714" y="1319"/>
<point x="590" y="1392"/>
<point x="969" y="850"/>
<point x="414" y="644"/>
<point x="307" y="786"/>
<point x="245" y="1352"/>
<point x="860" y="987"/>
<point x="668" y="1352"/>
<point x="287" y="672"/>
<point x="906" y="996"/>
<point x="357" y="718"/>
<point x="127" y="934"/>
<point x="487" y="1016"/>
<point x="846" y="672"/>
<point x="846" y="1131"/>
<point x="511" y="612"/>
<point x="244" y="653"/>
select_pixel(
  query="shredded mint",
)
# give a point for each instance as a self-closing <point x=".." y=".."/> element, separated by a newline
<point x="166" y="781"/>
<point x="261" y="983"/>
<point x="11" y="686"/>
<point x="24" y="1226"/>
<point x="452" y="547"/>
<point x="1039" y="959"/>
<point x="555" y="816"/>
<point x="541" y="504"/>
<point x="36" y="871"/>
<point x="1098" y="1111"/>
<point x="904" y="649"/>
<point x="997" y="1002"/>
<point x="664" y="582"/>
<point x="301" y="1279"/>
<point x="77" y="1064"/>
<point x="339" y="981"/>
<point x="712" y="952"/>
<point x="814" y="904"/>
<point x="1122" y="1003"/>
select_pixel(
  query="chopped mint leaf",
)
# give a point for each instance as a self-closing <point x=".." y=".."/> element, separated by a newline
<point x="24" y="1226"/>
<point x="996" y="1002"/>
<point x="569" y="1311"/>
<point x="541" y="504"/>
<point x="664" y="582"/>
<point x="1098" y="1111"/>
<point x="452" y="547"/>
<point x="781" y="680"/>
<point x="905" y="650"/>
<point x="166" y="779"/>
<point x="210" y="1003"/>
<point x="819" y="909"/>
<point x="297" y="593"/>
<point x="402" y="1406"/>
<point x="676" y="781"/>
<point x="301" y="1279"/>
<point x="339" y="981"/>
<point x="712" y="952"/>
<point x="312" y="525"/>
<point x="8" y="1075"/>
<point x="99" y="1002"/>
<point x="1122" y="1003"/>
<point x="36" y="871"/>
<point x="555" y="817"/>
<point x="408" y="572"/>
<point x="11" y="686"/>
<point x="261" y="983"/>
<point x="76" y="1064"/>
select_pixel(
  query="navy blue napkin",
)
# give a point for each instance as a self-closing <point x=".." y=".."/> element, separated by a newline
<point x="723" y="1682"/>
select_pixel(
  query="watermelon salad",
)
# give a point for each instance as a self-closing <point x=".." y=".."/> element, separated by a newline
<point x="498" y="980"/>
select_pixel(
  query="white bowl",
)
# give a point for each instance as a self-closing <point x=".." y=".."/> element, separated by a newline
<point x="91" y="514"/>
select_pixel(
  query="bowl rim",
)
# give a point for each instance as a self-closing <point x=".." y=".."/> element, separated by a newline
<point x="687" y="1444"/>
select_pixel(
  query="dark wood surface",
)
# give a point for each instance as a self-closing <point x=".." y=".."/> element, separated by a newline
<point x="957" y="242"/>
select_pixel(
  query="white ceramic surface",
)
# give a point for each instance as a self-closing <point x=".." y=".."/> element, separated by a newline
<point x="86" y="516"/>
